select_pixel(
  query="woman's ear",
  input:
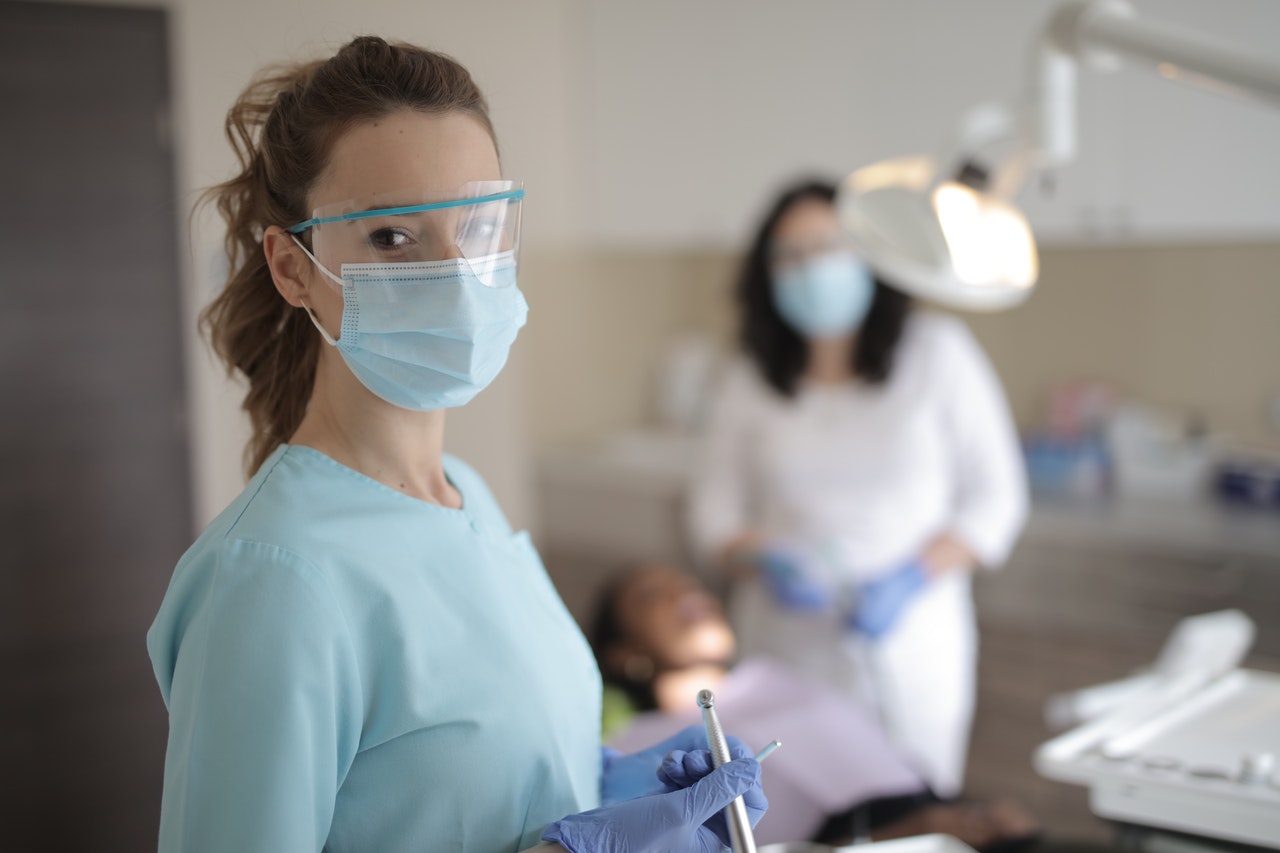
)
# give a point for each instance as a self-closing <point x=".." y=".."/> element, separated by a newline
<point x="289" y="265"/>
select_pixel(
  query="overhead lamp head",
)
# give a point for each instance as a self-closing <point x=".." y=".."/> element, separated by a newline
<point x="950" y="243"/>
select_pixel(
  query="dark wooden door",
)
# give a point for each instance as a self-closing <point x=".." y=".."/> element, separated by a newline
<point x="94" y="478"/>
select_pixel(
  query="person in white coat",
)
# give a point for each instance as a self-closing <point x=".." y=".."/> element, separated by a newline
<point x="860" y="462"/>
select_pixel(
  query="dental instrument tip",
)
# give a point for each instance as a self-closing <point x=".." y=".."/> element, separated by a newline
<point x="768" y="750"/>
<point x="706" y="699"/>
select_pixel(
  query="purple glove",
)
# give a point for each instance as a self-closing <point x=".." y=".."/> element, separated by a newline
<point x="624" y="777"/>
<point x="796" y="576"/>
<point x="682" y="769"/>
<point x="880" y="603"/>
<point x="676" y="820"/>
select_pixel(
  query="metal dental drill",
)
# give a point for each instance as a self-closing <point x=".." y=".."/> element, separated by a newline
<point x="741" y="838"/>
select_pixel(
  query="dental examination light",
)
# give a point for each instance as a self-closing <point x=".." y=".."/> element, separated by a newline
<point x="945" y="228"/>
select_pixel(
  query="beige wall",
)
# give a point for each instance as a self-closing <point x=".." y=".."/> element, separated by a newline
<point x="1194" y="327"/>
<point x="599" y="322"/>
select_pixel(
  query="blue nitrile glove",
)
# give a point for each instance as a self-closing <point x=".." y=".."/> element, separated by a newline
<point x="674" y="821"/>
<point x="881" y="602"/>
<point x="795" y="575"/>
<point x="682" y="769"/>
<point x="623" y="777"/>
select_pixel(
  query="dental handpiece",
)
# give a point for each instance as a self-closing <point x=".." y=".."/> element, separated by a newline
<point x="741" y="838"/>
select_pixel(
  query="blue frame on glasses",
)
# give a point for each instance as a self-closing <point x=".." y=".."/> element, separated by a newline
<point x="510" y="195"/>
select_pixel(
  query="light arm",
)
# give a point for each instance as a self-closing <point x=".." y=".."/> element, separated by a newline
<point x="1101" y="34"/>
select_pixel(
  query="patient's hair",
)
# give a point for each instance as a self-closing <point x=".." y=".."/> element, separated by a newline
<point x="283" y="128"/>
<point x="779" y="352"/>
<point x="607" y="632"/>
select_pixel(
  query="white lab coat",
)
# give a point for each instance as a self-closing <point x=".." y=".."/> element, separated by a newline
<point x="869" y="475"/>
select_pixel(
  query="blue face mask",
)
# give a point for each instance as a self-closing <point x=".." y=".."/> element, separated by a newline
<point x="825" y="296"/>
<point x="427" y="335"/>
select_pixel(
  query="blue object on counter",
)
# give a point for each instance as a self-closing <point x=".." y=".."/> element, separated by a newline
<point x="1250" y="483"/>
<point x="1070" y="467"/>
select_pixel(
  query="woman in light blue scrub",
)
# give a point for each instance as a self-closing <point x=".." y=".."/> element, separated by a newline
<point x="359" y="653"/>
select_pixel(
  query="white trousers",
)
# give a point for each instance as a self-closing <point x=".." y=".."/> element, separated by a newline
<point x="919" y="680"/>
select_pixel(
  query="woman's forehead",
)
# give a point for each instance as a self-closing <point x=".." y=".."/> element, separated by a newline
<point x="653" y="578"/>
<point x="806" y="217"/>
<point x="409" y="150"/>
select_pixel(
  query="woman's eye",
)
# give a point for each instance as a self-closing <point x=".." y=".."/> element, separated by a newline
<point x="390" y="238"/>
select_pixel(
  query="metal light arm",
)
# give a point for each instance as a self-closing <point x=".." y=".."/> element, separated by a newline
<point x="946" y="229"/>
<point x="1101" y="34"/>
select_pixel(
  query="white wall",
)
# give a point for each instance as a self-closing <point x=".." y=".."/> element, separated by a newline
<point x="699" y="109"/>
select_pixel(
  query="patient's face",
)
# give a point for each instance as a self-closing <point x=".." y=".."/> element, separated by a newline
<point x="667" y="615"/>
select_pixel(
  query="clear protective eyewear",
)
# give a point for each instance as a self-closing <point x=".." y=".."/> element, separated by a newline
<point x="477" y="224"/>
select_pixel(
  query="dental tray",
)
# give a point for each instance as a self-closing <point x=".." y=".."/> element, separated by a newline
<point x="1202" y="759"/>
<point x="918" y="844"/>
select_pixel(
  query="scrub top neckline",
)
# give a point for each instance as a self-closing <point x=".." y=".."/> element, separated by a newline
<point x="446" y="462"/>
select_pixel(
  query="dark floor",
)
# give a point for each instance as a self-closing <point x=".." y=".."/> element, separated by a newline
<point x="1018" y="671"/>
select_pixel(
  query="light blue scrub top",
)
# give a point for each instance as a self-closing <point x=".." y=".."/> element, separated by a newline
<point x="348" y="668"/>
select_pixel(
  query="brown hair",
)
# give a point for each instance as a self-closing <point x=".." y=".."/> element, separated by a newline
<point x="282" y="128"/>
<point x="780" y="352"/>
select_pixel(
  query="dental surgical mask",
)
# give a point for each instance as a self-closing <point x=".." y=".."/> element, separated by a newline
<point x="429" y="295"/>
<point x="826" y="295"/>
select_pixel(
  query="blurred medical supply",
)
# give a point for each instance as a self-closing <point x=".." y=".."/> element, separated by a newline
<point x="1158" y="454"/>
<point x="1200" y="649"/>
<point x="1096" y="446"/>
<point x="1067" y="467"/>
<point x="1069" y="456"/>
<point x="1190" y="749"/>
<point x="1248" y="478"/>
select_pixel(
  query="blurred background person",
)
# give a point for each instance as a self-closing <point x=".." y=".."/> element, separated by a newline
<point x="860" y="462"/>
<point x="660" y="636"/>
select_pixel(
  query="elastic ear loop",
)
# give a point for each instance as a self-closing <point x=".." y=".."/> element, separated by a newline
<point x="311" y="311"/>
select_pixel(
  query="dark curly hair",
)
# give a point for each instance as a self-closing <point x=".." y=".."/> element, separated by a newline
<point x="779" y="352"/>
<point x="607" y="631"/>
